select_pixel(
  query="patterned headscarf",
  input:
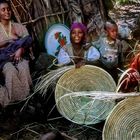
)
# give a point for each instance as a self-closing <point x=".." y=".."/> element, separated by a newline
<point x="79" y="25"/>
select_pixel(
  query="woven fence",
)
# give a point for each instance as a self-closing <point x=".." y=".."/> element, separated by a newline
<point x="38" y="15"/>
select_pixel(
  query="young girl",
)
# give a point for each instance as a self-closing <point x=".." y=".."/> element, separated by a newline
<point x="78" y="52"/>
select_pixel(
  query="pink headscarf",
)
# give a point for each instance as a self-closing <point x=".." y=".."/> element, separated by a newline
<point x="79" y="25"/>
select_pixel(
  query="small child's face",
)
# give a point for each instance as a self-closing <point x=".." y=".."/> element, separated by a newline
<point x="77" y="35"/>
<point x="112" y="32"/>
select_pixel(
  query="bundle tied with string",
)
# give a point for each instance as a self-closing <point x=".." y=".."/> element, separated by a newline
<point x="83" y="109"/>
<point x="123" y="122"/>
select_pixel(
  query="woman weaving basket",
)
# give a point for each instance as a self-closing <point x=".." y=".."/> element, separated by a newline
<point x="14" y="40"/>
<point x="130" y="79"/>
<point x="78" y="51"/>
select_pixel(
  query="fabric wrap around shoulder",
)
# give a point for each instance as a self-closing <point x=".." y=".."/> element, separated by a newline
<point x="12" y="47"/>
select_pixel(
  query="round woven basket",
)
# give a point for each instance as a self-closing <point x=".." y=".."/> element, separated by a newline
<point x="123" y="123"/>
<point x="84" y="109"/>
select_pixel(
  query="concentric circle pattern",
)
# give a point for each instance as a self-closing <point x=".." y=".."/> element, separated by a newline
<point x="123" y="123"/>
<point x="84" y="109"/>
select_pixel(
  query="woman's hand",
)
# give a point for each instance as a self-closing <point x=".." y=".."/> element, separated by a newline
<point x="130" y="81"/>
<point x="18" y="55"/>
<point x="80" y="63"/>
<point x="14" y="37"/>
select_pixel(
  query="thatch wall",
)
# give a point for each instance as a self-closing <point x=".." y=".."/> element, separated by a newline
<point x="37" y="15"/>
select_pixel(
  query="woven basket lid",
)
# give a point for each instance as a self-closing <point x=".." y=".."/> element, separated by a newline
<point x="123" y="123"/>
<point x="84" y="109"/>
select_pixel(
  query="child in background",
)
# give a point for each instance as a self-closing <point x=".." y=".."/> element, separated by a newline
<point x="110" y="48"/>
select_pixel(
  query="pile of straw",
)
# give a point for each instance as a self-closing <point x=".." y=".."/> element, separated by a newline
<point x="50" y="79"/>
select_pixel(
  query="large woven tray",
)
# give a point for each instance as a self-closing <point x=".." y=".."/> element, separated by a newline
<point x="123" y="123"/>
<point x="84" y="109"/>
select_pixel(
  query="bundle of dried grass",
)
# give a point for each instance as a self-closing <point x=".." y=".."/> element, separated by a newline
<point x="50" y="79"/>
<point x="89" y="107"/>
<point x="100" y="95"/>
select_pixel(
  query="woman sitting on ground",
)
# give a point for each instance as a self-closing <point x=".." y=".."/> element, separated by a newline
<point x="78" y="52"/>
<point x="14" y="41"/>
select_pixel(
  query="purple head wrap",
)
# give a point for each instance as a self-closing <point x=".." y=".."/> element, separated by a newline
<point x="79" y="25"/>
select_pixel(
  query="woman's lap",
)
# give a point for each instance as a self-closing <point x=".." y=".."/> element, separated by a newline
<point x="17" y="80"/>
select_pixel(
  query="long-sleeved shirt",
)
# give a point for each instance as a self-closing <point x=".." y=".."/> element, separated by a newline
<point x="66" y="55"/>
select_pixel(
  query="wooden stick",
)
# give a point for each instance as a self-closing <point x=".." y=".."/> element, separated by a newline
<point x="15" y="12"/>
<point x="48" y="15"/>
<point x="102" y="10"/>
<point x="68" y="137"/>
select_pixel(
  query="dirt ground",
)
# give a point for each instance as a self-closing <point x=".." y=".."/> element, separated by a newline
<point x="31" y="123"/>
